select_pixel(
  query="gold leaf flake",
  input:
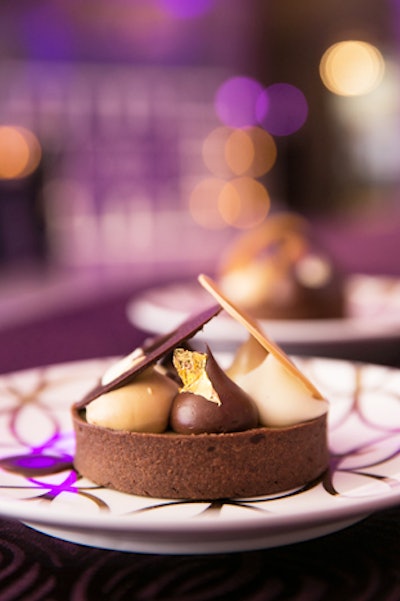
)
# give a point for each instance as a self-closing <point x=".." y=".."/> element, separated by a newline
<point x="191" y="368"/>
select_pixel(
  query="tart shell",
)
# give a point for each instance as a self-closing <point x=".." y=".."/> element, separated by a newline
<point x="251" y="463"/>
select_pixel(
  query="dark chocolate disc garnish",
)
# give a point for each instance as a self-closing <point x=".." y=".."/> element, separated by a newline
<point x="154" y="351"/>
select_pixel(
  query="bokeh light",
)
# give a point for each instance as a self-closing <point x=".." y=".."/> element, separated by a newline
<point x="239" y="151"/>
<point x="265" y="151"/>
<point x="20" y="152"/>
<point x="203" y="203"/>
<point x="213" y="151"/>
<point x="314" y="271"/>
<point x="243" y="202"/>
<point x="242" y="151"/>
<point x="351" y="68"/>
<point x="236" y="101"/>
<point x="282" y="109"/>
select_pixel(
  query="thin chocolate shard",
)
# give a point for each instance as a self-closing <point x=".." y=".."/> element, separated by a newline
<point x="153" y="352"/>
<point x="255" y="330"/>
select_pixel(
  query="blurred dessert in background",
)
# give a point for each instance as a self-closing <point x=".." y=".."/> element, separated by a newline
<point x="279" y="271"/>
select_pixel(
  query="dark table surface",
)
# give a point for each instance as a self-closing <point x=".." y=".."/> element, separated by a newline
<point x="360" y="563"/>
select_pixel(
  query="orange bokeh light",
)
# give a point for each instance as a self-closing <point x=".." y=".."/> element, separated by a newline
<point x="265" y="151"/>
<point x="213" y="151"/>
<point x="243" y="202"/>
<point x="20" y="152"/>
<point x="351" y="68"/>
<point x="203" y="203"/>
<point x="239" y="151"/>
<point x="231" y="152"/>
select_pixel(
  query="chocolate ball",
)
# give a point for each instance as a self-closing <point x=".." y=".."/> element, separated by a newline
<point x="192" y="413"/>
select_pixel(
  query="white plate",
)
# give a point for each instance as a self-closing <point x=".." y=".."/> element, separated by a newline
<point x="36" y="438"/>
<point x="373" y="312"/>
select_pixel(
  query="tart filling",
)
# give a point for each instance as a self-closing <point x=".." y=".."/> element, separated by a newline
<point x="189" y="429"/>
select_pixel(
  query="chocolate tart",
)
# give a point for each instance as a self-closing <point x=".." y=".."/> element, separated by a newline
<point x="252" y="462"/>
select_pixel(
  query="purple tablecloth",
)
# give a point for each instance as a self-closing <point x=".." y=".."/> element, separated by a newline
<point x="361" y="563"/>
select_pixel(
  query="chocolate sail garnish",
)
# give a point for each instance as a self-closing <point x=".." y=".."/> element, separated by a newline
<point x="255" y="330"/>
<point x="153" y="352"/>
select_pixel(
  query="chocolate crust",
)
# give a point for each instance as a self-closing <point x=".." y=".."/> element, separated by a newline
<point x="250" y="463"/>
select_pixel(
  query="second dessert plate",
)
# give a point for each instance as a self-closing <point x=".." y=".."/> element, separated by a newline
<point x="373" y="313"/>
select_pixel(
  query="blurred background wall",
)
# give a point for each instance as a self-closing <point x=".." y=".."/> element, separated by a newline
<point x="133" y="132"/>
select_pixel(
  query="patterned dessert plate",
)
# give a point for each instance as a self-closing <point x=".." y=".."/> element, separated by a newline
<point x="39" y="486"/>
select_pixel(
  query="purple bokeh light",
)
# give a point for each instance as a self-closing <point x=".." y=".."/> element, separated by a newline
<point x="237" y="102"/>
<point x="282" y="109"/>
